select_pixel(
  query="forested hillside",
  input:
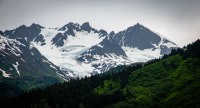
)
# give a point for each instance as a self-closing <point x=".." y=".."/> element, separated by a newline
<point x="173" y="81"/>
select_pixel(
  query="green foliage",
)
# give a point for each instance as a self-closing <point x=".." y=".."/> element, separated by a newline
<point x="187" y="85"/>
<point x="171" y="82"/>
<point x="108" y="87"/>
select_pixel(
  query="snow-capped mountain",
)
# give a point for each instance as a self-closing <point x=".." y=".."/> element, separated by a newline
<point x="141" y="44"/>
<point x="17" y="56"/>
<point x="80" y="50"/>
<point x="103" y="56"/>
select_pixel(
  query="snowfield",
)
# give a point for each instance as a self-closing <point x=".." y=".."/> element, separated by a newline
<point x="74" y="46"/>
<point x="66" y="56"/>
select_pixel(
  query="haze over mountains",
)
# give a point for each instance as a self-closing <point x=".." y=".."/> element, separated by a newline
<point x="130" y="54"/>
<point x="81" y="50"/>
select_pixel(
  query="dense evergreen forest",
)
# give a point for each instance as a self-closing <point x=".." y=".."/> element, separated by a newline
<point x="170" y="82"/>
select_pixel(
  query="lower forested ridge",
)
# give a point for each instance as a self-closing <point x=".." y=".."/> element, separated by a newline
<point x="170" y="82"/>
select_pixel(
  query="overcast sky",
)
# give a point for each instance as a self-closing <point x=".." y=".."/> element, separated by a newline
<point x="177" y="20"/>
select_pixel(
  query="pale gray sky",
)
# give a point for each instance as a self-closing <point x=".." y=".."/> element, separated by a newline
<point x="178" y="20"/>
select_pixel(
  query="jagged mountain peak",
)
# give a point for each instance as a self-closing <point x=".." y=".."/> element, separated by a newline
<point x="71" y="25"/>
<point x="137" y="36"/>
<point x="103" y="32"/>
<point x="138" y="25"/>
<point x="34" y="25"/>
<point x="86" y="26"/>
<point x="22" y="26"/>
<point x="110" y="35"/>
<point x="1" y="33"/>
<point x="75" y="26"/>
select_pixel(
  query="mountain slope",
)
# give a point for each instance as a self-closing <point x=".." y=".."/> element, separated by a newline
<point x="140" y="37"/>
<point x="104" y="56"/>
<point x="141" y="44"/>
<point x="169" y="82"/>
<point x="23" y="67"/>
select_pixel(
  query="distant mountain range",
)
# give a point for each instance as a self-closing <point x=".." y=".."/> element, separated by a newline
<point x="39" y="53"/>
